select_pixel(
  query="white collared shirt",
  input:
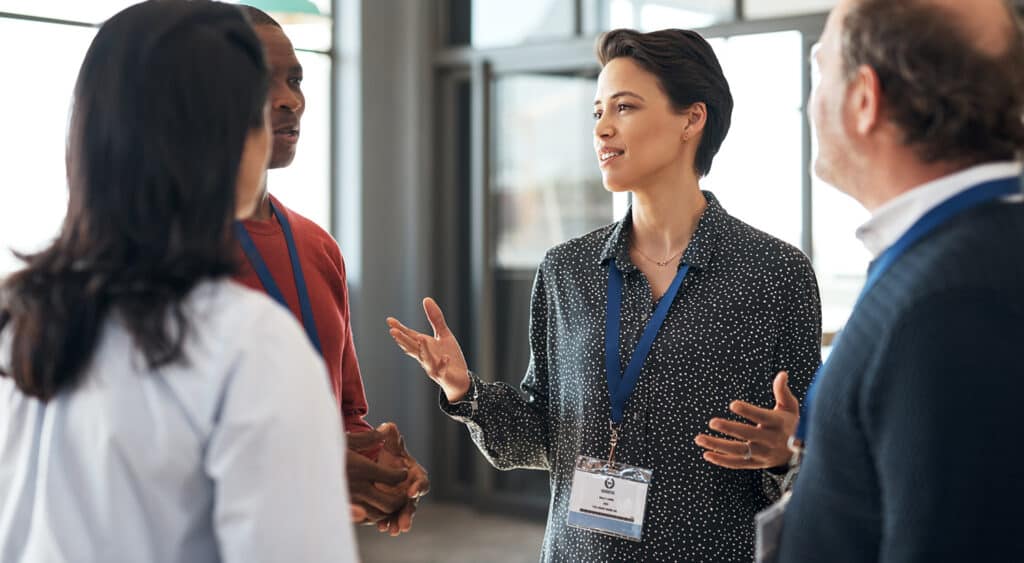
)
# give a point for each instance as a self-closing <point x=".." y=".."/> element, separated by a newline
<point x="236" y="456"/>
<point x="892" y="220"/>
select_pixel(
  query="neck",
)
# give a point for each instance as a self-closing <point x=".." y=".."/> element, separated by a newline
<point x="665" y="217"/>
<point x="262" y="212"/>
<point x="894" y="173"/>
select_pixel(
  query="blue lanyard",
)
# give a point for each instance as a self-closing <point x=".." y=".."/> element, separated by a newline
<point x="978" y="195"/>
<point x="621" y="385"/>
<point x="263" y="272"/>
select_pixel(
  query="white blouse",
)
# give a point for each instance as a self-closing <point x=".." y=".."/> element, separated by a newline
<point x="236" y="455"/>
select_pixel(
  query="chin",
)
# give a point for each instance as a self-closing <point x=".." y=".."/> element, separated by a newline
<point x="283" y="162"/>
<point x="615" y="185"/>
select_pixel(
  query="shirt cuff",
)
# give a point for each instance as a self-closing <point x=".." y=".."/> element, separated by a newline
<point x="466" y="408"/>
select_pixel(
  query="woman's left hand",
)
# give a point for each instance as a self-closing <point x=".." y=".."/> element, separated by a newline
<point x="762" y="445"/>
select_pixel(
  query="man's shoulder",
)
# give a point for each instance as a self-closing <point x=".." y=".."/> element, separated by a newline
<point x="979" y="249"/>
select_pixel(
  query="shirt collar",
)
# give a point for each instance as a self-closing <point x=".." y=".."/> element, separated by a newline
<point x="892" y="220"/>
<point x="698" y="253"/>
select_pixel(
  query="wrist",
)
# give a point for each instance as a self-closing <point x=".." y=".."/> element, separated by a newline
<point x="457" y="391"/>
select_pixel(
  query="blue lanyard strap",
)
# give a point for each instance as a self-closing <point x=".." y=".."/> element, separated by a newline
<point x="978" y="195"/>
<point x="621" y="385"/>
<point x="263" y="273"/>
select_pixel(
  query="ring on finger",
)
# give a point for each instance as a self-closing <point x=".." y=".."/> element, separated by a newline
<point x="749" y="453"/>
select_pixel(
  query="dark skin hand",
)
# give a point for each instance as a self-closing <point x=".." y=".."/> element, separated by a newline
<point x="362" y="472"/>
<point x="415" y="486"/>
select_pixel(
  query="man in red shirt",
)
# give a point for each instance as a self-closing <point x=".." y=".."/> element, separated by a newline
<point x="300" y="265"/>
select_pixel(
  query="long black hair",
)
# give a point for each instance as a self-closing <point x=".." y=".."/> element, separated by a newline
<point x="165" y="100"/>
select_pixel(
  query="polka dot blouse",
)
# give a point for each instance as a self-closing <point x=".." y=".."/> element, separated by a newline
<point x="748" y="308"/>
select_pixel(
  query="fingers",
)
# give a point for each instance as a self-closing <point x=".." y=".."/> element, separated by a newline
<point x="396" y="325"/>
<point x="721" y="445"/>
<point x="361" y="469"/>
<point x="361" y="441"/>
<point x="358" y="513"/>
<point x="403" y="523"/>
<point x="765" y="417"/>
<point x="436" y="318"/>
<point x="376" y="499"/>
<point x="409" y="343"/>
<point x="420" y="481"/>
<point x="784" y="398"/>
<point x="731" y="461"/>
<point x="373" y="515"/>
<point x="740" y="431"/>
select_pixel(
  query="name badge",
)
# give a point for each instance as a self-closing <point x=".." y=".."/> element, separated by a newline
<point x="609" y="498"/>
<point x="769" y="531"/>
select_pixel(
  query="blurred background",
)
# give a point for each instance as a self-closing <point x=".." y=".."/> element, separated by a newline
<point x="446" y="144"/>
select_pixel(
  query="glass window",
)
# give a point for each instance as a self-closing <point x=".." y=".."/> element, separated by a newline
<point x="496" y="23"/>
<point x="307" y="30"/>
<point x="540" y="201"/>
<point x="40" y="64"/>
<point x="650" y="15"/>
<point x="840" y="260"/>
<point x="755" y="9"/>
<point x="305" y="186"/>
<point x="93" y="11"/>
<point x="758" y="172"/>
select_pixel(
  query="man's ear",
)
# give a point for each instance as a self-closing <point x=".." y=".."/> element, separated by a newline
<point x="864" y="100"/>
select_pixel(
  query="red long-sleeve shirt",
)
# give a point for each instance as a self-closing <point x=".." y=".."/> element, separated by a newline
<point x="324" y="270"/>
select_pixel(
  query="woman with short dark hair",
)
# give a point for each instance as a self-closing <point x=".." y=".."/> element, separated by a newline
<point x="644" y="331"/>
<point x="153" y="410"/>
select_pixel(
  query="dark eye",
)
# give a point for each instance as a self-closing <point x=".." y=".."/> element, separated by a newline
<point x="597" y="115"/>
<point x="295" y="81"/>
<point x="624" y="107"/>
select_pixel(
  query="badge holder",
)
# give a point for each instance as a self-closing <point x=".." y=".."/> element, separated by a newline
<point x="769" y="521"/>
<point x="607" y="497"/>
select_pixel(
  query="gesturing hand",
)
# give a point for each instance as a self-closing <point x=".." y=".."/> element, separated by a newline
<point x="439" y="355"/>
<point x="759" y="446"/>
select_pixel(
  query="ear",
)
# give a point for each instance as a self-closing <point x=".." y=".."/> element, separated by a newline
<point x="696" y="116"/>
<point x="865" y="100"/>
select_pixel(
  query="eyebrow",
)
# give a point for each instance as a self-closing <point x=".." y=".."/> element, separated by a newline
<point x="623" y="94"/>
<point x="297" y="69"/>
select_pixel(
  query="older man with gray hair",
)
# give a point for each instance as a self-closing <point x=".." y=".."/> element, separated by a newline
<point x="910" y="446"/>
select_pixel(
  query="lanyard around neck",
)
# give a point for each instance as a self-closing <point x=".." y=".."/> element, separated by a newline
<point x="622" y="384"/>
<point x="938" y="216"/>
<point x="263" y="272"/>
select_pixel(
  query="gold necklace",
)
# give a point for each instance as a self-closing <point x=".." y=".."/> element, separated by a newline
<point x="659" y="263"/>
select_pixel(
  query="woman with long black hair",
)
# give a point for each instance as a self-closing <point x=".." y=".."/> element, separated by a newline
<point x="151" y="409"/>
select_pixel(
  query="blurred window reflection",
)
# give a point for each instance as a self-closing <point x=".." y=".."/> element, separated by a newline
<point x="759" y="9"/>
<point x="495" y="23"/>
<point x="545" y="186"/>
<point x="40" y="63"/>
<point x="650" y="15"/>
<point x="758" y="172"/>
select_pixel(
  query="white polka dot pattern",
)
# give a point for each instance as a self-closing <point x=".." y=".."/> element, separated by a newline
<point x="748" y="308"/>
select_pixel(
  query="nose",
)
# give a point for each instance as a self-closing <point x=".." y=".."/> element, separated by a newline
<point x="284" y="98"/>
<point x="603" y="127"/>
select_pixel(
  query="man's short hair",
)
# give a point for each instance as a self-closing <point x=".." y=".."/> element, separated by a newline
<point x="258" y="16"/>
<point x="952" y="101"/>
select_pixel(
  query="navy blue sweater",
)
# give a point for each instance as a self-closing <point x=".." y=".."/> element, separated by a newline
<point x="915" y="449"/>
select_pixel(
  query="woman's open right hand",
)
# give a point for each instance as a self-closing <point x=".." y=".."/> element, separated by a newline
<point x="439" y="355"/>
